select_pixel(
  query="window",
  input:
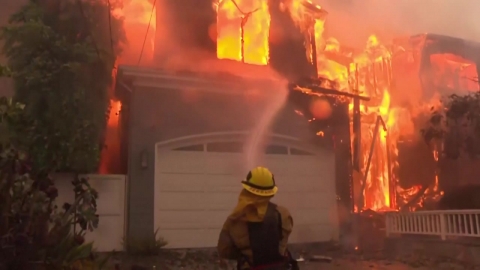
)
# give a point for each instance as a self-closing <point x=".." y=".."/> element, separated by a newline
<point x="298" y="152"/>
<point x="225" y="147"/>
<point x="273" y="149"/>
<point x="190" y="148"/>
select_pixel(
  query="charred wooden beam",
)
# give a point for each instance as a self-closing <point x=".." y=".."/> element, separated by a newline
<point x="372" y="147"/>
<point x="314" y="89"/>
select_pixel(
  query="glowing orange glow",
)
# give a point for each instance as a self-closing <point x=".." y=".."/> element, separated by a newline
<point x="242" y="30"/>
<point x="320" y="109"/>
<point x="242" y="34"/>
<point x="369" y="74"/>
<point x="136" y="15"/>
<point x="109" y="157"/>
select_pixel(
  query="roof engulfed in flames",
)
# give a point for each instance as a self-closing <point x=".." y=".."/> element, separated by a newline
<point x="243" y="26"/>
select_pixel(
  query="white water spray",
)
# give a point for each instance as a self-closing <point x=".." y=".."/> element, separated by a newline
<point x="255" y="142"/>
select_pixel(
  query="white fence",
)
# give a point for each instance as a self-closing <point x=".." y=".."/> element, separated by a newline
<point x="456" y="223"/>
<point x="110" y="208"/>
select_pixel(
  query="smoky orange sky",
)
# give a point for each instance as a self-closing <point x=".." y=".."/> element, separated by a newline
<point x="352" y="21"/>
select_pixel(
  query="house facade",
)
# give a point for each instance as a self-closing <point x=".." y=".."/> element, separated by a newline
<point x="187" y="153"/>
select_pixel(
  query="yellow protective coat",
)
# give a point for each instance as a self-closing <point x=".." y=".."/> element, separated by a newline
<point x="234" y="241"/>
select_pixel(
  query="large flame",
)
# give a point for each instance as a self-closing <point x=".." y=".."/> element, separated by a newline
<point x="242" y="30"/>
<point x="242" y="35"/>
<point x="138" y="14"/>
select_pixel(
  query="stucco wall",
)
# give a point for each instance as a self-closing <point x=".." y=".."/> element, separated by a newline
<point x="161" y="114"/>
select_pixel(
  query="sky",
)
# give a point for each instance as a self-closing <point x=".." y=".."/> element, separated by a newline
<point x="352" y="21"/>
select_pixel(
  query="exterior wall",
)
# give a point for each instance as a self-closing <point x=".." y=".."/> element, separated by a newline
<point x="161" y="114"/>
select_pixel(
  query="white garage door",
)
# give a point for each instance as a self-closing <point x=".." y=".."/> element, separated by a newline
<point x="197" y="186"/>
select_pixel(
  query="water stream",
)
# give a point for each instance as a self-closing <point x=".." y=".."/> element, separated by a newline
<point x="256" y="140"/>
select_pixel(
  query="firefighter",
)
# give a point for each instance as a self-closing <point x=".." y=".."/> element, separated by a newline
<point x="256" y="233"/>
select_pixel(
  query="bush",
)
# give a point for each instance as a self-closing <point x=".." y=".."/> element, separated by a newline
<point x="146" y="247"/>
<point x="32" y="229"/>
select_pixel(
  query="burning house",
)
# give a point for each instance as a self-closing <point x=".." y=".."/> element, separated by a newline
<point x="188" y="120"/>
<point x="343" y="123"/>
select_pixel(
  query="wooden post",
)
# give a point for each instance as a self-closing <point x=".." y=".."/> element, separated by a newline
<point x="391" y="182"/>
<point x="357" y="132"/>
<point x="314" y="46"/>
<point x="343" y="167"/>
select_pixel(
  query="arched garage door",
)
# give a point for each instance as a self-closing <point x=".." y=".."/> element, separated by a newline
<point x="197" y="181"/>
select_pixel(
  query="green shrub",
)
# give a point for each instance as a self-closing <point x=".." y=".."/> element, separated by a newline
<point x="146" y="247"/>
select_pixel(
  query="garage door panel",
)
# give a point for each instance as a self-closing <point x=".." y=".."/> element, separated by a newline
<point x="221" y="200"/>
<point x="200" y="190"/>
<point x="181" y="201"/>
<point x="168" y="220"/>
<point x="181" y="182"/>
<point x="304" y="200"/>
<point x="300" y="184"/>
<point x="289" y="200"/>
<point x="315" y="200"/>
<point x="303" y="167"/>
<point x="217" y="218"/>
<point x="286" y="201"/>
<point x="174" y="162"/>
<point x="225" y="164"/>
<point x="222" y="183"/>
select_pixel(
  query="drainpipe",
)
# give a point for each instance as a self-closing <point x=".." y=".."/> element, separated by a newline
<point x="129" y="161"/>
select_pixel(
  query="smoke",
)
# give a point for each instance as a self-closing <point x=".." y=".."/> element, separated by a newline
<point x="352" y="21"/>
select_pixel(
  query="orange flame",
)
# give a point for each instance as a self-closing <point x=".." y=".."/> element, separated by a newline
<point x="242" y="30"/>
<point x="137" y="15"/>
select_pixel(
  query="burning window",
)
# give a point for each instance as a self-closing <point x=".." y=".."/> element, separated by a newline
<point x="242" y="30"/>
<point x="243" y="27"/>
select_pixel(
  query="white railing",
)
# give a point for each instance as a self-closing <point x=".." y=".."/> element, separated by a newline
<point x="446" y="223"/>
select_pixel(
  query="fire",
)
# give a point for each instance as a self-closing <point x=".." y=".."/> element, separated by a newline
<point x="139" y="16"/>
<point x="242" y="34"/>
<point x="243" y="30"/>
<point x="369" y="73"/>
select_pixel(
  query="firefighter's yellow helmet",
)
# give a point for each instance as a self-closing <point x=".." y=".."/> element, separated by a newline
<point x="260" y="181"/>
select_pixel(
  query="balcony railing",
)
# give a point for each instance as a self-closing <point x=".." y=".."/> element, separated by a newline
<point x="456" y="223"/>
